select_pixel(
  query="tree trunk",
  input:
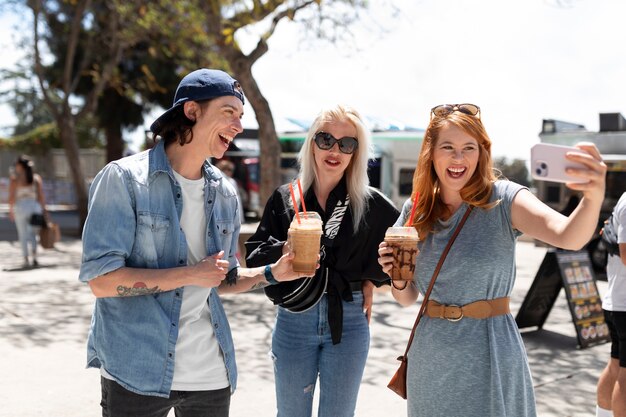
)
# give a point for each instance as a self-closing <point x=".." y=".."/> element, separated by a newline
<point x="241" y="68"/>
<point x="115" y="143"/>
<point x="72" y="153"/>
<point x="269" y="158"/>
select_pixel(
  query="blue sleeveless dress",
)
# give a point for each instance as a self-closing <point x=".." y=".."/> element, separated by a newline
<point x="470" y="367"/>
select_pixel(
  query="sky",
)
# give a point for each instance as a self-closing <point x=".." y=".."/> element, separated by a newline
<point x="520" y="61"/>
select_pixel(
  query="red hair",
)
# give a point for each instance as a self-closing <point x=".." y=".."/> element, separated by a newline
<point x="476" y="192"/>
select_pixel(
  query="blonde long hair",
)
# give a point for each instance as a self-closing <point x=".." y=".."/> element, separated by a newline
<point x="478" y="189"/>
<point x="357" y="180"/>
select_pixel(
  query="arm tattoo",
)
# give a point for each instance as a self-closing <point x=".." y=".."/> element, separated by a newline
<point x="139" y="288"/>
<point x="259" y="285"/>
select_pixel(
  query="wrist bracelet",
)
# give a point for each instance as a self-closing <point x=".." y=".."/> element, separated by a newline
<point x="406" y="284"/>
<point x="269" y="277"/>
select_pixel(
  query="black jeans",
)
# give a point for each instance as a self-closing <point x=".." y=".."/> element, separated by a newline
<point x="119" y="402"/>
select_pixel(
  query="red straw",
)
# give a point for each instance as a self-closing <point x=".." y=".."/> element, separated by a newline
<point x="295" y="205"/>
<point x="417" y="196"/>
<point x="301" y="195"/>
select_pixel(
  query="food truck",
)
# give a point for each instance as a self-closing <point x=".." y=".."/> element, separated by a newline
<point x="611" y="142"/>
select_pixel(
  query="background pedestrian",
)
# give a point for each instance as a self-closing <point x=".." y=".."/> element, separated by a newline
<point x="26" y="198"/>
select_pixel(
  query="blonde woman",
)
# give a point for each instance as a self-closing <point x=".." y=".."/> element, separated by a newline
<point x="327" y="336"/>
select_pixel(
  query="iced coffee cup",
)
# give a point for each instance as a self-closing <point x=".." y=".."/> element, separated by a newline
<point x="403" y="241"/>
<point x="304" y="241"/>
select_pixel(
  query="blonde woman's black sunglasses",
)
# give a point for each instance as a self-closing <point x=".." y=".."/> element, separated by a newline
<point x="326" y="141"/>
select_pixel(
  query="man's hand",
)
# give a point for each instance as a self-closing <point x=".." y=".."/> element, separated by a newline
<point x="210" y="271"/>
<point x="283" y="268"/>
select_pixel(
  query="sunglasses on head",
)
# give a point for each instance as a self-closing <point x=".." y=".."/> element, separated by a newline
<point x="443" y="110"/>
<point x="326" y="141"/>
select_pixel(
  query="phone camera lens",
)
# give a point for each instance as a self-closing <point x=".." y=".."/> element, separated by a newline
<point x="544" y="165"/>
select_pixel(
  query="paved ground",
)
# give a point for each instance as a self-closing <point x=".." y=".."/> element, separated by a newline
<point x="45" y="314"/>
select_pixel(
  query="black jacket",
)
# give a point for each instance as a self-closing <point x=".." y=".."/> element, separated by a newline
<point x="352" y="257"/>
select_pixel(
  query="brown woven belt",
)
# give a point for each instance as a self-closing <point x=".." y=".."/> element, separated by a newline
<point x="481" y="309"/>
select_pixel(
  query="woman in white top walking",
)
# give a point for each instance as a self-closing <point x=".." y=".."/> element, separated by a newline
<point x="25" y="199"/>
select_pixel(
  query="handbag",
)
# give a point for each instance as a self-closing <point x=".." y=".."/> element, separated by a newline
<point x="37" y="219"/>
<point x="398" y="381"/>
<point x="49" y="235"/>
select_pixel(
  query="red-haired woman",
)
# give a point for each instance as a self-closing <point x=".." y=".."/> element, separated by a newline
<point x="471" y="360"/>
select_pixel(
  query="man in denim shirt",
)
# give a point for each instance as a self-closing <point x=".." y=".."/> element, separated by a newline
<point x="159" y="242"/>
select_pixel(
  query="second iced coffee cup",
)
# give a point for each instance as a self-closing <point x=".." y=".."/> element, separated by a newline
<point x="304" y="238"/>
<point x="403" y="241"/>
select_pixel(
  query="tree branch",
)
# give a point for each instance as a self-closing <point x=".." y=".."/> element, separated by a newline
<point x="72" y="46"/>
<point x="38" y="70"/>
<point x="291" y="13"/>
<point x="259" y="12"/>
<point x="257" y="4"/>
<point x="116" y="48"/>
<point x="260" y="50"/>
<point x="261" y="47"/>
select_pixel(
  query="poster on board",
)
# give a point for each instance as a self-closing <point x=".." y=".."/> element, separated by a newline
<point x="583" y="298"/>
<point x="573" y="272"/>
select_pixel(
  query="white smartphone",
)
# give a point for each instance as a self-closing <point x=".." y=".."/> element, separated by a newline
<point x="548" y="163"/>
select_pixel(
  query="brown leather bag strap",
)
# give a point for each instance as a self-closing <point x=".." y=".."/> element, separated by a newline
<point x="435" y="274"/>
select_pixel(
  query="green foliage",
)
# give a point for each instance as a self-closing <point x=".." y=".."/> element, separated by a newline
<point x="25" y="99"/>
<point x="514" y="170"/>
<point x="35" y="142"/>
<point x="41" y="139"/>
<point x="162" y="40"/>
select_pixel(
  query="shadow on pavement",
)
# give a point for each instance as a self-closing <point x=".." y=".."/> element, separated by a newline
<point x="48" y="259"/>
<point x="46" y="304"/>
<point x="564" y="376"/>
<point x="251" y="317"/>
<point x="20" y="268"/>
<point x="41" y="313"/>
<point x="550" y="340"/>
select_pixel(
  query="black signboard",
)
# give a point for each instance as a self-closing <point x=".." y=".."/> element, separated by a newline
<point x="541" y="295"/>
<point x="583" y="297"/>
<point x="573" y="271"/>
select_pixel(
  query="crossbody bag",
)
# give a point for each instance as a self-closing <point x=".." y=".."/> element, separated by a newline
<point x="398" y="381"/>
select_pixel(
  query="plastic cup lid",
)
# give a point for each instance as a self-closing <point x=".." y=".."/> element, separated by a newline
<point x="401" y="231"/>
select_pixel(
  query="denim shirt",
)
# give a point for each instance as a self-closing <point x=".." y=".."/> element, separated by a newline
<point x="135" y="206"/>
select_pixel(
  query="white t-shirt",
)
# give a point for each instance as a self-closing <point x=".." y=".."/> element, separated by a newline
<point x="615" y="297"/>
<point x="199" y="364"/>
<point x="233" y="182"/>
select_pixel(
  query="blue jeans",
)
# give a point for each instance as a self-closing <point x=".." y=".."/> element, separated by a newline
<point x="26" y="233"/>
<point x="119" y="402"/>
<point x="302" y="349"/>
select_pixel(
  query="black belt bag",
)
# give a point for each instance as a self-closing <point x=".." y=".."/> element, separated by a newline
<point x="303" y="294"/>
